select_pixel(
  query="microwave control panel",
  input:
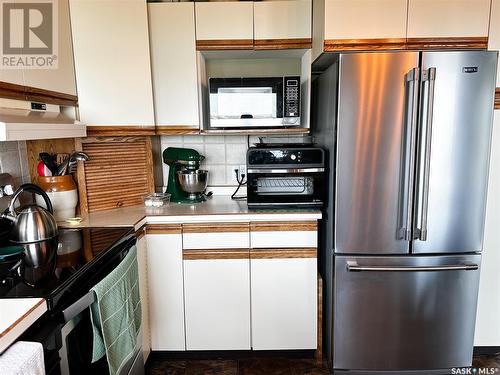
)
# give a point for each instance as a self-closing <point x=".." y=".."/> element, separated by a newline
<point x="291" y="97"/>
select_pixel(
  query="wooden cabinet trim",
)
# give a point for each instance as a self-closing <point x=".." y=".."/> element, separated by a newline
<point x="215" y="227"/>
<point x="199" y="254"/>
<point x="119" y="130"/>
<point x="497" y="98"/>
<point x="224" y="44"/>
<point x="141" y="232"/>
<point x="304" y="252"/>
<point x="163" y="229"/>
<point x="447" y="43"/>
<point x="333" y="45"/>
<point x="295" y="43"/>
<point x="175" y="130"/>
<point x="34" y="94"/>
<point x="284" y="226"/>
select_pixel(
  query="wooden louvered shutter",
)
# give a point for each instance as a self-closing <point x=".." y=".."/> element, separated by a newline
<point x="118" y="174"/>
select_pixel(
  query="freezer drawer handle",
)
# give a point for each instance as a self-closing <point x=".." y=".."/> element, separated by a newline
<point x="355" y="267"/>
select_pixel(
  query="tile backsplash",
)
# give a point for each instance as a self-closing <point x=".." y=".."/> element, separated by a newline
<point x="223" y="154"/>
<point x="14" y="160"/>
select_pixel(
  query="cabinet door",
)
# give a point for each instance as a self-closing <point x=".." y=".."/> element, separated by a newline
<point x="166" y="299"/>
<point x="365" y="19"/>
<point x="61" y="79"/>
<point x="284" y="299"/>
<point x="14" y="76"/>
<point x="173" y="63"/>
<point x="284" y="234"/>
<point x="143" y="290"/>
<point x="448" y="18"/>
<point x="217" y="299"/>
<point x="488" y="308"/>
<point x="113" y="75"/>
<point x="494" y="37"/>
<point x="286" y="21"/>
<point x="230" y="23"/>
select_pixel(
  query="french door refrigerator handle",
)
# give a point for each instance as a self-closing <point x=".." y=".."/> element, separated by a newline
<point x="355" y="267"/>
<point x="411" y="100"/>
<point x="429" y="78"/>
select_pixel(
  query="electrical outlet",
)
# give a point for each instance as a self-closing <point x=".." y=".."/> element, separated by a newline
<point x="242" y="169"/>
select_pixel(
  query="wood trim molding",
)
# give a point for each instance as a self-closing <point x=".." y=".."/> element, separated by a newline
<point x="295" y="43"/>
<point x="447" y="43"/>
<point x="21" y="318"/>
<point x="333" y="45"/>
<point x="199" y="254"/>
<point x="284" y="226"/>
<point x="301" y="252"/>
<point x="163" y="229"/>
<point x="119" y="130"/>
<point x="34" y="94"/>
<point x="141" y="232"/>
<point x="224" y="44"/>
<point x="497" y="98"/>
<point x="175" y="130"/>
<point x="215" y="227"/>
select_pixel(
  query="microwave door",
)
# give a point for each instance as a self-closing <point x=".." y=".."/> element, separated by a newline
<point x="244" y="106"/>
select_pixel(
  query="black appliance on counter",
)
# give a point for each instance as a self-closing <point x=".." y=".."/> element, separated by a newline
<point x="285" y="175"/>
<point x="84" y="257"/>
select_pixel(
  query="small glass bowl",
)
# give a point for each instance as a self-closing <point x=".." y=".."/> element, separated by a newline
<point x="157" y="200"/>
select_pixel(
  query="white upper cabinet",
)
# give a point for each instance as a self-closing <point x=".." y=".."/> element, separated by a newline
<point x="231" y="20"/>
<point x="494" y="37"/>
<point x="112" y="62"/>
<point x="448" y="18"/>
<point x="365" y="19"/>
<point x="282" y="19"/>
<point x="173" y="63"/>
<point x="62" y="78"/>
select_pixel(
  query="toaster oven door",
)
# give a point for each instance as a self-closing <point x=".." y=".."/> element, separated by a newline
<point x="302" y="189"/>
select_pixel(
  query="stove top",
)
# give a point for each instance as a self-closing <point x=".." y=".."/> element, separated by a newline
<point x="79" y="253"/>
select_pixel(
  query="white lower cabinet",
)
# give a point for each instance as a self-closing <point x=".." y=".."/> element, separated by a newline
<point x="166" y="302"/>
<point x="143" y="290"/>
<point x="284" y="303"/>
<point x="217" y="297"/>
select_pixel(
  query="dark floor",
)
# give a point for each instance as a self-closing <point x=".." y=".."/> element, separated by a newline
<point x="261" y="366"/>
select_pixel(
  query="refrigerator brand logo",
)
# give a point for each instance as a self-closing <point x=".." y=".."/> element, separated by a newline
<point x="475" y="370"/>
<point x="29" y="34"/>
<point x="470" y="69"/>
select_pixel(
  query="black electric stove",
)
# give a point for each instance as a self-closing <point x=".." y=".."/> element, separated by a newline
<point x="83" y="258"/>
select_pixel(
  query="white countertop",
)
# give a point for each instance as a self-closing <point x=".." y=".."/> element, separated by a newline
<point x="215" y="209"/>
<point x="16" y="316"/>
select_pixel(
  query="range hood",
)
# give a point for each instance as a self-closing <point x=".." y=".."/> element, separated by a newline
<point x="21" y="120"/>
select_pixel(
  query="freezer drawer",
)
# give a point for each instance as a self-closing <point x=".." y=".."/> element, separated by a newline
<point x="404" y="312"/>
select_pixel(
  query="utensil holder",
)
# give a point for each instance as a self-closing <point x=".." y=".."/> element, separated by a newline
<point x="63" y="194"/>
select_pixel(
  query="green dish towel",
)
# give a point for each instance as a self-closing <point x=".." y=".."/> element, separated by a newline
<point x="116" y="314"/>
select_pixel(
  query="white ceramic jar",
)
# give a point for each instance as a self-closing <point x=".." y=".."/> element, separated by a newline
<point x="63" y="194"/>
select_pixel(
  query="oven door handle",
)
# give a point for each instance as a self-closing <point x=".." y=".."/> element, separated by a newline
<point x="286" y="170"/>
<point x="76" y="308"/>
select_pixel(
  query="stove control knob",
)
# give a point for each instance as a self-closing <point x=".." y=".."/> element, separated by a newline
<point x="293" y="157"/>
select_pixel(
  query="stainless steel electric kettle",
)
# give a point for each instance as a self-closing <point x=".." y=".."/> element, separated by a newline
<point x="34" y="227"/>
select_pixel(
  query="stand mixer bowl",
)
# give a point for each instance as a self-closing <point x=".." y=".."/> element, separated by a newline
<point x="193" y="182"/>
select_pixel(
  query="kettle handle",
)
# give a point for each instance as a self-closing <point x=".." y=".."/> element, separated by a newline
<point x="33" y="189"/>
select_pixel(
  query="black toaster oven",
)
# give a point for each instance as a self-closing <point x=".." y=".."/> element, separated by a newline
<point x="281" y="177"/>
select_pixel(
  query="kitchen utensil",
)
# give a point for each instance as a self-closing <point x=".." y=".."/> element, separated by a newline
<point x="193" y="182"/>
<point x="34" y="227"/>
<point x="43" y="170"/>
<point x="48" y="160"/>
<point x="75" y="158"/>
<point x="62" y="168"/>
<point x="156" y="199"/>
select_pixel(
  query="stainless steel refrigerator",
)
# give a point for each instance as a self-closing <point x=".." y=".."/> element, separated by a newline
<point x="408" y="137"/>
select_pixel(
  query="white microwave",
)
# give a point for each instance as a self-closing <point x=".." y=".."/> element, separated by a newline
<point x="258" y="102"/>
